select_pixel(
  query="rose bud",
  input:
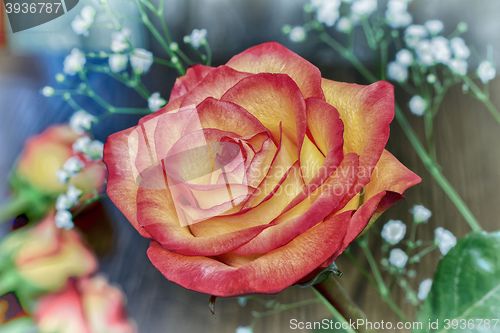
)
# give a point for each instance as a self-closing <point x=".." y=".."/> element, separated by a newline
<point x="256" y="173"/>
<point x="84" y="306"/>
<point x="40" y="174"/>
<point x="42" y="258"/>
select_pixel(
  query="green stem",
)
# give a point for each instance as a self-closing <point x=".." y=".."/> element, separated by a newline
<point x="483" y="98"/>
<point x="336" y="314"/>
<point x="381" y="286"/>
<point x="435" y="171"/>
<point x="338" y="302"/>
<point x="13" y="208"/>
<point x="428" y="162"/>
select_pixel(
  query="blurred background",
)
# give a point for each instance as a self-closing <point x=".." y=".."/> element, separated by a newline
<point x="467" y="142"/>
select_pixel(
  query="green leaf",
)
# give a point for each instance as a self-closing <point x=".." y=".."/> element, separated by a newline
<point x="465" y="295"/>
<point x="23" y="325"/>
<point x="321" y="276"/>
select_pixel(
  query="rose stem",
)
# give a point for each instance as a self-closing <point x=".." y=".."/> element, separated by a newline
<point x="338" y="302"/>
<point x="428" y="162"/>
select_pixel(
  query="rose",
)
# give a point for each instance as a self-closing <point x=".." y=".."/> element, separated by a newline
<point x="35" y="180"/>
<point x="42" y="258"/>
<point x="45" y="154"/>
<point x="256" y="173"/>
<point x="84" y="306"/>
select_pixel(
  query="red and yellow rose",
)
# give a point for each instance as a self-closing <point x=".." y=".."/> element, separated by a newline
<point x="256" y="173"/>
<point x="44" y="257"/>
<point x="45" y="154"/>
<point x="84" y="306"/>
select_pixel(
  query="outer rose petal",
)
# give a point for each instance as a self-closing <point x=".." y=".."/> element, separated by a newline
<point x="276" y="101"/>
<point x="186" y="83"/>
<point x="267" y="274"/>
<point x="334" y="193"/>
<point x="215" y="84"/>
<point x="275" y="58"/>
<point x="366" y="112"/>
<point x="326" y="129"/>
<point x="122" y="183"/>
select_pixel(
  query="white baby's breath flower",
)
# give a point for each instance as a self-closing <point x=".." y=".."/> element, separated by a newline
<point x="155" y="102"/>
<point x="441" y="51"/>
<point x="48" y="91"/>
<point x="434" y="26"/>
<point x="397" y="72"/>
<point x="398" y="258"/>
<point x="397" y="15"/>
<point x="63" y="202"/>
<point x="197" y="38"/>
<point x="64" y="220"/>
<point x="120" y="40"/>
<point x="363" y="8"/>
<point x="117" y="62"/>
<point x="344" y="25"/>
<point x="458" y="66"/>
<point x="141" y="60"/>
<point x="81" y="121"/>
<point x="414" y="33"/>
<point x="63" y="176"/>
<point x="486" y="71"/>
<point x="424" y="288"/>
<point x="244" y="329"/>
<point x="393" y="231"/>
<point x="74" y="62"/>
<point x="459" y="48"/>
<point x="421" y="214"/>
<point x="327" y="11"/>
<point x="82" y="22"/>
<point x="425" y="53"/>
<point x="417" y="105"/>
<point x="95" y="150"/>
<point x="297" y="34"/>
<point x="73" y="194"/>
<point x="73" y="165"/>
<point x="404" y="57"/>
<point x="444" y="239"/>
<point x="81" y="144"/>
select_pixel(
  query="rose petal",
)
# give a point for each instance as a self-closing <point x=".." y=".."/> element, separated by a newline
<point x="310" y="211"/>
<point x="122" y="180"/>
<point x="214" y="85"/>
<point x="275" y="58"/>
<point x="366" y="112"/>
<point x="186" y="83"/>
<point x="270" y="273"/>
<point x="276" y="101"/>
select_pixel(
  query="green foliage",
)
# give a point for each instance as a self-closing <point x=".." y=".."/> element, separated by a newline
<point x="465" y="296"/>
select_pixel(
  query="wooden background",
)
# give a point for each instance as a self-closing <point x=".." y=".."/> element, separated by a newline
<point x="468" y="148"/>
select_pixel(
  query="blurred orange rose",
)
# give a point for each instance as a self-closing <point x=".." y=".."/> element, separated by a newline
<point x="85" y="306"/>
<point x="43" y="258"/>
<point x="44" y="156"/>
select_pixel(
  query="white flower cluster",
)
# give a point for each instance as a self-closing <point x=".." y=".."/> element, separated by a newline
<point x="328" y="12"/>
<point x="91" y="149"/>
<point x="424" y="288"/>
<point x="197" y="38"/>
<point x="444" y="239"/>
<point x="74" y="62"/>
<point x="398" y="258"/>
<point x="140" y="59"/>
<point x="83" y="21"/>
<point x="64" y="203"/>
<point x="486" y="71"/>
<point x="155" y="102"/>
<point x="420" y="213"/>
<point x="393" y="231"/>
<point x="397" y="15"/>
